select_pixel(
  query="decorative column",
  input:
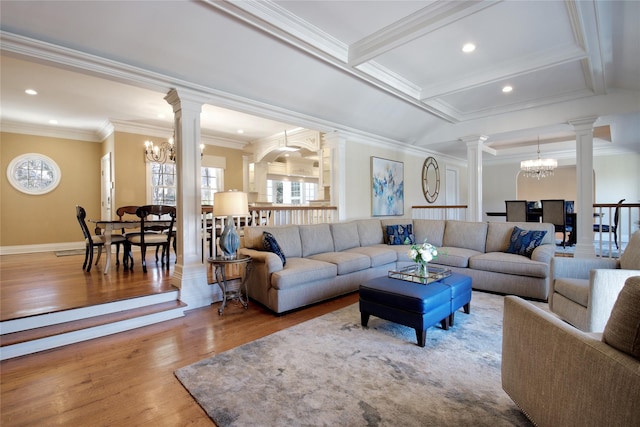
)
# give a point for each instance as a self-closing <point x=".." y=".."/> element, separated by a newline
<point x="190" y="274"/>
<point x="584" y="185"/>
<point x="474" y="176"/>
<point x="337" y="143"/>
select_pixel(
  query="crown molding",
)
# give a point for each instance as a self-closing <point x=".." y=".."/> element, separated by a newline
<point x="50" y="131"/>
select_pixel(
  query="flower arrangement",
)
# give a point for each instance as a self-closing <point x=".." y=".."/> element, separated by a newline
<point x="422" y="254"/>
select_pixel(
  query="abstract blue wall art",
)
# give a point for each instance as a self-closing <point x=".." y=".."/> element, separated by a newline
<point x="387" y="187"/>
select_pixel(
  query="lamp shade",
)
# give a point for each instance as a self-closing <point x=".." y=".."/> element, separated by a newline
<point x="232" y="203"/>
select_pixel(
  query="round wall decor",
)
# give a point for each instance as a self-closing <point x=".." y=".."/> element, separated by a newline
<point x="33" y="173"/>
<point x="430" y="179"/>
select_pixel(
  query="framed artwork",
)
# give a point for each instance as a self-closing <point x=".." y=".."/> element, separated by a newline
<point x="387" y="187"/>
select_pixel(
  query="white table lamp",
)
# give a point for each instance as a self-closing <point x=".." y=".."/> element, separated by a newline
<point x="230" y="204"/>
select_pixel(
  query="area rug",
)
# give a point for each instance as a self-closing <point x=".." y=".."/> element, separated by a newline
<point x="329" y="371"/>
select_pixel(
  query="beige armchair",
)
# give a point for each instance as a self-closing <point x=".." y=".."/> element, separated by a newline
<point x="583" y="290"/>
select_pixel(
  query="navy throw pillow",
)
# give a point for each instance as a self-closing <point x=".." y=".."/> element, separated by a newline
<point x="523" y="242"/>
<point x="271" y="244"/>
<point x="400" y="234"/>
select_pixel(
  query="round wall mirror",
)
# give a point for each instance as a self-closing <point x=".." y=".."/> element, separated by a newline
<point x="430" y="179"/>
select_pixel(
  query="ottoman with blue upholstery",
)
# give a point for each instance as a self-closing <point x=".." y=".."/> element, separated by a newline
<point x="409" y="304"/>
<point x="415" y="305"/>
<point x="460" y="293"/>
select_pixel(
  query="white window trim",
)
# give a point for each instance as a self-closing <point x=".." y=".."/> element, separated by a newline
<point x="28" y="157"/>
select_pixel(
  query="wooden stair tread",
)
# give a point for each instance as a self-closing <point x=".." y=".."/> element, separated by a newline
<point x="76" y="325"/>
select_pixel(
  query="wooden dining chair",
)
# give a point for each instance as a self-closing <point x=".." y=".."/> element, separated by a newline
<point x="554" y="212"/>
<point x="95" y="240"/>
<point x="516" y="210"/>
<point x="609" y="228"/>
<point x="154" y="234"/>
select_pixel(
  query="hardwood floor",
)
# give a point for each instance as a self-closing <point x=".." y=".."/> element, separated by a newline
<point x="124" y="379"/>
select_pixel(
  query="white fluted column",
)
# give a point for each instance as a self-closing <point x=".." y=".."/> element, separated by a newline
<point x="190" y="274"/>
<point x="338" y="176"/>
<point x="584" y="185"/>
<point x="474" y="176"/>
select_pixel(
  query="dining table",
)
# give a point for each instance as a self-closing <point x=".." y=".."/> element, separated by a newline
<point x="110" y="225"/>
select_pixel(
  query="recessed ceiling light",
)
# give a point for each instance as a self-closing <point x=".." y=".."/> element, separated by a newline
<point x="507" y="89"/>
<point x="53" y="122"/>
<point x="30" y="92"/>
<point x="240" y="131"/>
<point x="161" y="116"/>
<point x="468" y="47"/>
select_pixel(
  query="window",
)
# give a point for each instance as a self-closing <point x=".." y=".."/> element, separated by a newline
<point x="34" y="174"/>
<point x="163" y="183"/>
<point x="291" y="193"/>
<point x="211" y="183"/>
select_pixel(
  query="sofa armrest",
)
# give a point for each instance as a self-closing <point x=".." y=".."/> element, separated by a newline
<point x="560" y="376"/>
<point x="543" y="253"/>
<point x="604" y="287"/>
<point x="578" y="268"/>
<point x="271" y="261"/>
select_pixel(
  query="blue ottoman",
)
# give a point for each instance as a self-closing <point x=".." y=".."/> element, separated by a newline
<point x="409" y="304"/>
<point x="460" y="293"/>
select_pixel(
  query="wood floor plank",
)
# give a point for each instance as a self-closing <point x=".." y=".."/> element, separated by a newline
<point x="125" y="379"/>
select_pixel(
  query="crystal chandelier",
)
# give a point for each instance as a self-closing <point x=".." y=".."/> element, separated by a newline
<point x="538" y="168"/>
<point x="163" y="152"/>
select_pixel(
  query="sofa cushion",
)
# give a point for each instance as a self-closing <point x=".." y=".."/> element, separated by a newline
<point x="370" y="232"/>
<point x="400" y="234"/>
<point x="455" y="257"/>
<point x="347" y="262"/>
<point x="345" y="235"/>
<point x="302" y="270"/>
<point x="316" y="239"/>
<point x="271" y="244"/>
<point x="523" y="242"/>
<point x="429" y="230"/>
<point x="506" y="263"/>
<point x="630" y="259"/>
<point x="623" y="327"/>
<point x="499" y="234"/>
<point x="466" y="235"/>
<point x="576" y="290"/>
<point x="379" y="254"/>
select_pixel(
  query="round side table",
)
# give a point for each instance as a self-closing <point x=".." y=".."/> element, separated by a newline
<point x="219" y="270"/>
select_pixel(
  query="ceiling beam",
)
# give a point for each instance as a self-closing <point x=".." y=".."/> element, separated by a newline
<point x="433" y="17"/>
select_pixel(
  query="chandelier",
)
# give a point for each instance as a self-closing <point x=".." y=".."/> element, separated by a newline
<point x="163" y="152"/>
<point x="538" y="168"/>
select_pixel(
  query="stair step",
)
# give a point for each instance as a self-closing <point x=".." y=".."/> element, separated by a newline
<point x="91" y="322"/>
<point x="30" y="341"/>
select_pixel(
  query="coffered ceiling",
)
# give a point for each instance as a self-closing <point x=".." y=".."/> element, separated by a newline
<point x="391" y="70"/>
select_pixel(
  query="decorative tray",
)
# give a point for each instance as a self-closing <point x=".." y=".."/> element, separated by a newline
<point x="412" y="274"/>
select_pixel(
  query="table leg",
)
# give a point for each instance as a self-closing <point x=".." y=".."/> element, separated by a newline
<point x="107" y="247"/>
<point x="221" y="279"/>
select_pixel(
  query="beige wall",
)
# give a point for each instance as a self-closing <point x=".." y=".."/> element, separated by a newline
<point x="233" y="172"/>
<point x="562" y="185"/>
<point x="129" y="169"/>
<point x="49" y="218"/>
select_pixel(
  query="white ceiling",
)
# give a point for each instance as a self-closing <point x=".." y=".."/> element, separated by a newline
<point x="393" y="69"/>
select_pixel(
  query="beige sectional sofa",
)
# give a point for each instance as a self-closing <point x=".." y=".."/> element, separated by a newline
<point x="327" y="260"/>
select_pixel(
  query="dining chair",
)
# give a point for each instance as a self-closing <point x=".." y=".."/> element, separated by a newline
<point x="95" y="240"/>
<point x="554" y="212"/>
<point x="516" y="210"/>
<point x="153" y="233"/>
<point x="608" y="228"/>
